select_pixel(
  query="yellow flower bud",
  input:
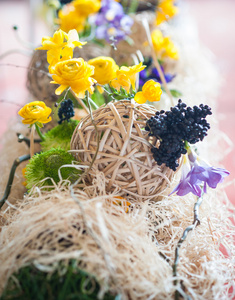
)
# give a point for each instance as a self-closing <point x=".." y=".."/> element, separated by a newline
<point x="74" y="73"/>
<point x="70" y="18"/>
<point x="105" y="69"/>
<point x="35" y="112"/>
<point x="87" y="7"/>
<point x="165" y="11"/>
<point x="126" y="77"/>
<point x="151" y="91"/>
<point x="163" y="46"/>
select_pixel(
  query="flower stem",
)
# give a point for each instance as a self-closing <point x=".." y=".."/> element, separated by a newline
<point x="42" y="137"/>
<point x="31" y="149"/>
<point x="97" y="140"/>
<point x="93" y="103"/>
<point x="186" y="145"/>
<point x="80" y="102"/>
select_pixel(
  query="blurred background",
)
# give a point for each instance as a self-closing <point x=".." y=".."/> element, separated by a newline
<point x="215" y="21"/>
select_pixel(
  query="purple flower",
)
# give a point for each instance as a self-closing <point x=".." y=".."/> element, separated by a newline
<point x="155" y="74"/>
<point x="188" y="182"/>
<point x="197" y="174"/>
<point x="111" y="21"/>
<point x="145" y="76"/>
<point x="207" y="174"/>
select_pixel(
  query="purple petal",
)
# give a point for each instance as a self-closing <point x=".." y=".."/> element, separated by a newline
<point x="215" y="176"/>
<point x="101" y="32"/>
<point x="186" y="186"/>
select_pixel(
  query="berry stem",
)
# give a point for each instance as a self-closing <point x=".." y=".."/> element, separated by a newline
<point x="80" y="102"/>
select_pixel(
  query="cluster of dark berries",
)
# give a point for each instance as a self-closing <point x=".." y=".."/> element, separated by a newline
<point x="172" y="128"/>
<point x="66" y="110"/>
<point x="65" y="1"/>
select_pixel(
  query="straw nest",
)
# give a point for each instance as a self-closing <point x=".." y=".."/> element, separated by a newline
<point x="124" y="154"/>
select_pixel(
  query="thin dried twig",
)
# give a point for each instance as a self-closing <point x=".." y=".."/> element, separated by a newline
<point x="195" y="223"/>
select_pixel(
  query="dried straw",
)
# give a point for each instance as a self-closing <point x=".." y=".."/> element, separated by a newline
<point x="122" y="249"/>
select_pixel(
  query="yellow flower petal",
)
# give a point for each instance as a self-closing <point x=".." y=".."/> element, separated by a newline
<point x="105" y="69"/>
<point x="163" y="46"/>
<point x="60" y="89"/>
<point x="34" y="112"/>
<point x="139" y="98"/>
<point x="74" y="73"/>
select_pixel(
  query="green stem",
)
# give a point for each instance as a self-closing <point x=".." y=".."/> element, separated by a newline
<point x="93" y="103"/>
<point x="186" y="145"/>
<point x="133" y="6"/>
<point x="42" y="137"/>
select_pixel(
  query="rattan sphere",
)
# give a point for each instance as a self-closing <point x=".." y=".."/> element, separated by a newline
<point x="124" y="154"/>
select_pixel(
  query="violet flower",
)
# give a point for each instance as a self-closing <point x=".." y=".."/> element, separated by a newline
<point x="111" y="21"/>
<point x="155" y="74"/>
<point x="207" y="174"/>
<point x="188" y="182"/>
<point x="145" y="76"/>
<point x="197" y="174"/>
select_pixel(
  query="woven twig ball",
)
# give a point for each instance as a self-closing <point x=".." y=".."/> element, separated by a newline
<point x="38" y="79"/>
<point x="124" y="154"/>
<point x="124" y="52"/>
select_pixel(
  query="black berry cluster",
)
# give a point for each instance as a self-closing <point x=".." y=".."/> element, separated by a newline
<point x="172" y="128"/>
<point x="66" y="110"/>
<point x="65" y="1"/>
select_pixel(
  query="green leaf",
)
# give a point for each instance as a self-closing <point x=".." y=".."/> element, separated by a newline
<point x="98" y="98"/>
<point x="175" y="93"/>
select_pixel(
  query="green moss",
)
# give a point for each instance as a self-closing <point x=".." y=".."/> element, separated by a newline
<point x="47" y="164"/>
<point x="65" y="283"/>
<point x="59" y="136"/>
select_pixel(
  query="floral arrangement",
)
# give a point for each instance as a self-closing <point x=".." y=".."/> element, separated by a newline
<point x="123" y="138"/>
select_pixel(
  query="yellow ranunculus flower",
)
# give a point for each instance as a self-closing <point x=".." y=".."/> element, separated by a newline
<point x="105" y="69"/>
<point x="165" y="11"/>
<point x="58" y="48"/>
<point x="35" y="112"/>
<point x="87" y="7"/>
<point x="151" y="91"/>
<point x="70" y="18"/>
<point x="163" y="46"/>
<point x="126" y="77"/>
<point x="55" y="42"/>
<point x="171" y="50"/>
<point x="74" y="73"/>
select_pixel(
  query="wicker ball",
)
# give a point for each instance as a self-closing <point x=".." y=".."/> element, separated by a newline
<point x="38" y="79"/>
<point x="124" y="52"/>
<point x="124" y="154"/>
